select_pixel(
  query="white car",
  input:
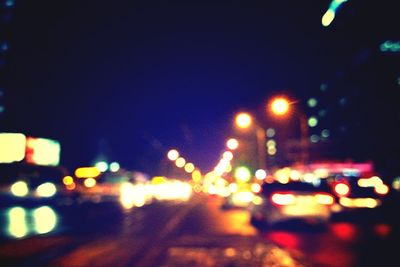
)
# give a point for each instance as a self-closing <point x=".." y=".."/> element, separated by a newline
<point x="295" y="200"/>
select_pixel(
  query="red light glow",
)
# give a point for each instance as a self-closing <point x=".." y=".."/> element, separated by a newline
<point x="382" y="230"/>
<point x="285" y="239"/>
<point x="345" y="231"/>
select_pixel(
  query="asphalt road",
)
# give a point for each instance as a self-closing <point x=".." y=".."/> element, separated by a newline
<point x="193" y="233"/>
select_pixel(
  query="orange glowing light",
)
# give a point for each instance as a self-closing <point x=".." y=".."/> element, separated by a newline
<point x="280" y="106"/>
<point x="71" y="186"/>
<point x="243" y="120"/>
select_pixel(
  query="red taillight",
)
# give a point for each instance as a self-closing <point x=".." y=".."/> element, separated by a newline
<point x="283" y="199"/>
<point x="342" y="189"/>
<point x="324" y="199"/>
<point x="381" y="189"/>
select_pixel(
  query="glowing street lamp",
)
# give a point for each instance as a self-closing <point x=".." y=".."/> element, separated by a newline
<point x="173" y="155"/>
<point x="232" y="144"/>
<point x="243" y="120"/>
<point x="180" y="162"/>
<point x="189" y="167"/>
<point x="280" y="106"/>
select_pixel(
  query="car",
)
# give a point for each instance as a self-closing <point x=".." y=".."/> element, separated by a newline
<point x="239" y="199"/>
<point x="295" y="200"/>
<point x="358" y="193"/>
<point x="30" y="184"/>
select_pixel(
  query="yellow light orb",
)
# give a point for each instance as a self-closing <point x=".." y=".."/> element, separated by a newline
<point x="280" y="106"/>
<point x="20" y="189"/>
<point x="68" y="180"/>
<point x="242" y="174"/>
<point x="180" y="162"/>
<point x="196" y="176"/>
<point x="232" y="144"/>
<point x="189" y="167"/>
<point x="173" y="155"/>
<point x="243" y="120"/>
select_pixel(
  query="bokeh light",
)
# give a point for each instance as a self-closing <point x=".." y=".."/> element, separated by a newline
<point x="20" y="189"/>
<point x="280" y="106"/>
<point x="89" y="182"/>
<point x="173" y="154"/>
<point x="243" y="120"/>
<point x="180" y="162"/>
<point x="242" y="174"/>
<point x="232" y="144"/>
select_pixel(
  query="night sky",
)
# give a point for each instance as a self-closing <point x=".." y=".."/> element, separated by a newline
<point x="134" y="78"/>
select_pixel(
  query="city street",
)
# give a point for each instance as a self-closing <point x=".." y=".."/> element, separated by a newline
<point x="195" y="233"/>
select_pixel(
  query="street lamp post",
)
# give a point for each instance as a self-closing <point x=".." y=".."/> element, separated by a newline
<point x="304" y="138"/>
<point x="280" y="106"/>
<point x="244" y="121"/>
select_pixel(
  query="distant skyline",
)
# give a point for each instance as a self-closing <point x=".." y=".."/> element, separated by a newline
<point x="137" y="78"/>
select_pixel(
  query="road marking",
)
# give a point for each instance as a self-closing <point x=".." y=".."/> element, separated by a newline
<point x="156" y="245"/>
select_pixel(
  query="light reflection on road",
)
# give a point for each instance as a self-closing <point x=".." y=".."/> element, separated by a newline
<point x="333" y="246"/>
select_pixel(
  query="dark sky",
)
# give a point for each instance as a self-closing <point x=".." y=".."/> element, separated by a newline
<point x="134" y="78"/>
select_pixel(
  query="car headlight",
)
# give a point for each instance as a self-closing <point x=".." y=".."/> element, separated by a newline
<point x="20" y="189"/>
<point x="46" y="190"/>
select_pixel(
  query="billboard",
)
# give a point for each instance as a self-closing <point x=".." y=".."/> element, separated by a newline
<point x="42" y="151"/>
<point x="12" y="147"/>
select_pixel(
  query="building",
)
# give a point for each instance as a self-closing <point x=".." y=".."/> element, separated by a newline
<point x="6" y="10"/>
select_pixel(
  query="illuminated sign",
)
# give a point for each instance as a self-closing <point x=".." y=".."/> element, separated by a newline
<point x="87" y="172"/>
<point x="12" y="147"/>
<point x="41" y="151"/>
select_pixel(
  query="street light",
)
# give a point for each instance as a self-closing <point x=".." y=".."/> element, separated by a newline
<point x="244" y="121"/>
<point x="280" y="106"/>
<point x="173" y="154"/>
<point x="232" y="144"/>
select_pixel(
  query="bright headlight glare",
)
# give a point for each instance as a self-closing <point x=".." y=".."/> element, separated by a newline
<point x="20" y="189"/>
<point x="46" y="190"/>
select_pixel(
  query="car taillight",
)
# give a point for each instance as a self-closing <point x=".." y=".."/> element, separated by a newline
<point x="381" y="189"/>
<point x="283" y="199"/>
<point x="324" y="199"/>
<point x="342" y="189"/>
